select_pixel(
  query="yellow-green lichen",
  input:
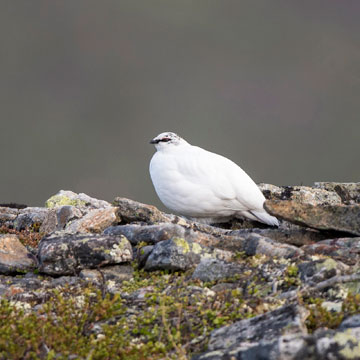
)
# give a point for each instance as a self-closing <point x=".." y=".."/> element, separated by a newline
<point x="196" y="248"/>
<point x="351" y="346"/>
<point x="182" y="243"/>
<point x="61" y="200"/>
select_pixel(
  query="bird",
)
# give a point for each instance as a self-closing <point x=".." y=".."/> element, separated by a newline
<point x="204" y="186"/>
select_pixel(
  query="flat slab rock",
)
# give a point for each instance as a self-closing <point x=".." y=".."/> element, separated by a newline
<point x="343" y="218"/>
<point x="348" y="192"/>
<point x="68" y="254"/>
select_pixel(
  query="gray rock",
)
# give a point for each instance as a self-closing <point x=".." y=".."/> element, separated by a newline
<point x="7" y="216"/>
<point x="68" y="254"/>
<point x="347" y="250"/>
<point x="350" y="322"/>
<point x="110" y="276"/>
<point x="30" y="217"/>
<point x="301" y="194"/>
<point x="257" y="244"/>
<point x="14" y="257"/>
<point x="261" y="337"/>
<point x="150" y="234"/>
<point x="133" y="211"/>
<point x="66" y="197"/>
<point x="142" y="254"/>
<point x="348" y="192"/>
<point x="176" y="254"/>
<point x="59" y="217"/>
<point x="344" y="218"/>
<point x="287" y="233"/>
<point x="320" y="270"/>
<point x="340" y="344"/>
<point x="210" y="269"/>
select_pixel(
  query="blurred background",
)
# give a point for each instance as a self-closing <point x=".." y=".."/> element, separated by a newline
<point x="85" y="85"/>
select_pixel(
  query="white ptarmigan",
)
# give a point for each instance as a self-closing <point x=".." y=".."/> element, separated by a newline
<point x="204" y="186"/>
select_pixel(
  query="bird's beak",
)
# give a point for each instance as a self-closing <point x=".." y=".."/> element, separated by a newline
<point x="154" y="141"/>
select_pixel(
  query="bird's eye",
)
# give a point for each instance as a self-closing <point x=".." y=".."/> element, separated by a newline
<point x="165" y="139"/>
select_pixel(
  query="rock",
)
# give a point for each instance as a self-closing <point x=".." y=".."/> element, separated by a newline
<point x="348" y="192"/>
<point x="210" y="269"/>
<point x="111" y="275"/>
<point x="68" y="254"/>
<point x="332" y="306"/>
<point x="13" y="256"/>
<point x="150" y="234"/>
<point x="331" y="344"/>
<point x="287" y="233"/>
<point x="258" y="337"/>
<point x="320" y="270"/>
<point x="344" y="218"/>
<point x="95" y="221"/>
<point x="133" y="211"/>
<point x="347" y="250"/>
<point x="66" y="197"/>
<point x="350" y="322"/>
<point x="176" y="254"/>
<point x="257" y="244"/>
<point x="301" y="194"/>
<point x="7" y="216"/>
<point x="30" y="217"/>
<point x="142" y="254"/>
<point x="58" y="218"/>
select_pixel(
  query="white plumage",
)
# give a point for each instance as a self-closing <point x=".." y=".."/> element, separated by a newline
<point x="202" y="185"/>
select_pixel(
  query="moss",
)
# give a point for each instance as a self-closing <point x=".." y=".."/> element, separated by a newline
<point x="319" y="316"/>
<point x="171" y="319"/>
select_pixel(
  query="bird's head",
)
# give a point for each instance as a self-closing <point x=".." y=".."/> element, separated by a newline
<point x="167" y="140"/>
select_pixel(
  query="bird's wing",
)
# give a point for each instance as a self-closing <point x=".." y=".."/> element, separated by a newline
<point x="233" y="183"/>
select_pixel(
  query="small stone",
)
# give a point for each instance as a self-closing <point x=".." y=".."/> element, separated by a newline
<point x="14" y="257"/>
<point x="332" y="306"/>
<point x="344" y="218"/>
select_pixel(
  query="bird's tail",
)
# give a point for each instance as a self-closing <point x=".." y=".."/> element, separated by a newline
<point x="265" y="218"/>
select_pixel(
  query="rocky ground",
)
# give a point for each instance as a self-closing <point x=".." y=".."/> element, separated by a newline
<point x="85" y="279"/>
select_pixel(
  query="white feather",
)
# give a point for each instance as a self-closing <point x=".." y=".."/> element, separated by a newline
<point x="200" y="184"/>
